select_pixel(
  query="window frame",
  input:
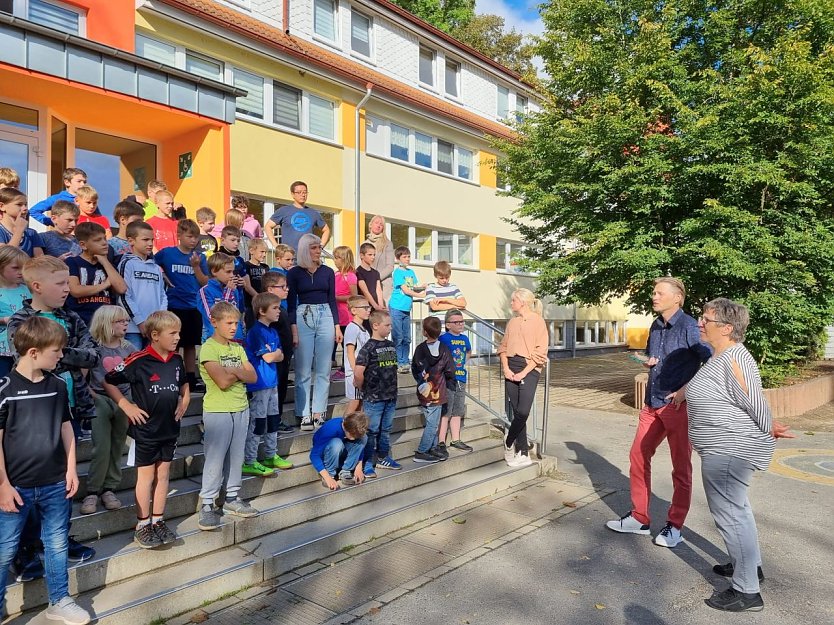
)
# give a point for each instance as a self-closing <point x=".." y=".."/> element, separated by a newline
<point x="371" y="39"/>
<point x="231" y="70"/>
<point x="507" y="268"/>
<point x="336" y="25"/>
<point x="204" y="57"/>
<point x="458" y="75"/>
<point x="21" y="8"/>
<point x="433" y="84"/>
<point x="435" y="232"/>
<point x="502" y="89"/>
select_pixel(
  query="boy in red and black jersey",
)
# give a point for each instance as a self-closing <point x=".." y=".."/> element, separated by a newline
<point x="160" y="394"/>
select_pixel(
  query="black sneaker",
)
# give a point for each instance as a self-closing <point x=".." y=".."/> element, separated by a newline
<point x="283" y="427"/>
<point x="731" y="600"/>
<point x="76" y="552"/>
<point x="165" y="533"/>
<point x="440" y="452"/>
<point x="426" y="457"/>
<point x="727" y="570"/>
<point x="146" y="537"/>
<point x="460" y="446"/>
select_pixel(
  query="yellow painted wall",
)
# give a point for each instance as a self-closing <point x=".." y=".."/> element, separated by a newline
<point x="207" y="184"/>
<point x="265" y="161"/>
<point x="489" y="177"/>
<point x="487" y="254"/>
<point x="348" y="127"/>
<point x="637" y="337"/>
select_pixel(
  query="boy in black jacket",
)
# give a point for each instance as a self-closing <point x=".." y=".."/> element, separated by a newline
<point x="432" y="367"/>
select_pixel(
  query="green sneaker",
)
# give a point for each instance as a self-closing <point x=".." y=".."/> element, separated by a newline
<point x="277" y="462"/>
<point x="256" y="468"/>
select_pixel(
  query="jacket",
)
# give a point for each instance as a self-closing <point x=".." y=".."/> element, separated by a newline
<point x="210" y="295"/>
<point x="145" y="289"/>
<point x="80" y="353"/>
<point x="440" y="370"/>
<point x="38" y="210"/>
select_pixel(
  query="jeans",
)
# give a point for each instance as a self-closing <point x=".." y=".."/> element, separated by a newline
<point x="109" y="433"/>
<point x="429" y="438"/>
<point x="726" y="480"/>
<point x="343" y="455"/>
<point x="380" y="420"/>
<point x="52" y="504"/>
<point x="654" y="425"/>
<point x="401" y="335"/>
<point x="316" y="334"/>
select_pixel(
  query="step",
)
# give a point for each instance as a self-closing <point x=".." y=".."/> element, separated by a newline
<point x="185" y="585"/>
<point x="119" y="558"/>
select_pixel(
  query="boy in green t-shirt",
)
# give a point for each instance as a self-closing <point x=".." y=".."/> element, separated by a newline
<point x="225" y="370"/>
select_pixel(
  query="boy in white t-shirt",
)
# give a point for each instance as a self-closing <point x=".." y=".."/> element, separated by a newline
<point x="355" y="337"/>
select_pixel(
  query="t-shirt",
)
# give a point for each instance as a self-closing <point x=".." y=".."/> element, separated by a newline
<point x="164" y="231"/>
<point x="255" y="273"/>
<point x="111" y="357"/>
<point x="357" y="336"/>
<point x="31" y="416"/>
<point x="435" y="291"/>
<point x="88" y="274"/>
<point x="56" y="244"/>
<point x="400" y="300"/>
<point x="28" y="243"/>
<point x="343" y="283"/>
<point x="296" y="222"/>
<point x="101" y="220"/>
<point x="233" y="399"/>
<point x="119" y="245"/>
<point x="155" y="384"/>
<point x="370" y="277"/>
<point x="207" y="244"/>
<point x="11" y="300"/>
<point x="380" y="361"/>
<point x="262" y="339"/>
<point x="459" y="345"/>
<point x="175" y="263"/>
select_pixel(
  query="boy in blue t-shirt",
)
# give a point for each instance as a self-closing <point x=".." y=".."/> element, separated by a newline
<point x="180" y="265"/>
<point x="405" y="290"/>
<point x="337" y="450"/>
<point x="458" y="344"/>
<point x="263" y="348"/>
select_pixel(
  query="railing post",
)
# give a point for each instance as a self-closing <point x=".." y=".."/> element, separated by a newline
<point x="546" y="408"/>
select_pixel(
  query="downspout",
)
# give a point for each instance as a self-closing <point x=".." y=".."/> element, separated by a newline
<point x="285" y="18"/>
<point x="368" y="88"/>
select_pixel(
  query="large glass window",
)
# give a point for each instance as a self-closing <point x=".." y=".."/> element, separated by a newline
<point x="427" y="66"/>
<point x="360" y="33"/>
<point x="324" y="18"/>
<point x="253" y="103"/>
<point x="286" y="105"/>
<point x="18" y="116"/>
<point x="399" y="143"/>
<point x="15" y="154"/>
<point x="452" y="78"/>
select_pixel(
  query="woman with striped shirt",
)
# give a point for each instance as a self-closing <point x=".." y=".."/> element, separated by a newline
<point x="731" y="428"/>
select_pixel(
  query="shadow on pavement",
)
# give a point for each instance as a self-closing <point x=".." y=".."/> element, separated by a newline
<point x="603" y="474"/>
<point x="638" y="615"/>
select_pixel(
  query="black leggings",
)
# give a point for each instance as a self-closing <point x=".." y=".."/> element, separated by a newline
<point x="520" y="396"/>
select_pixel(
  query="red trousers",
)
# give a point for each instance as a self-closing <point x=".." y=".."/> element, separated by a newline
<point x="655" y="424"/>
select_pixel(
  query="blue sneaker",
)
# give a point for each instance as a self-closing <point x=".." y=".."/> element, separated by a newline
<point x="368" y="470"/>
<point x="389" y="463"/>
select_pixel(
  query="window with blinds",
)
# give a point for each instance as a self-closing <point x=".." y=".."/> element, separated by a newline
<point x="286" y="105"/>
<point x="203" y="66"/>
<point x="360" y="34"/>
<point x="324" y="18"/>
<point x="157" y="51"/>
<point x="55" y="16"/>
<point x="321" y="122"/>
<point x="253" y="103"/>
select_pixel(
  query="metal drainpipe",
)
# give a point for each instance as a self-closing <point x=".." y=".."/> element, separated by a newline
<point x="285" y="21"/>
<point x="368" y="88"/>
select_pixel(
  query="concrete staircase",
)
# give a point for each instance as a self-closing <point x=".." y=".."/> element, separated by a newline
<point x="299" y="520"/>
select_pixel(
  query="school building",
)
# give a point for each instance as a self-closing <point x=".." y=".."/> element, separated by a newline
<point x="245" y="96"/>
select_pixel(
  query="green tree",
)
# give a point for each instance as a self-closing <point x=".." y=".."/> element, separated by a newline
<point x="693" y="138"/>
<point x="511" y="48"/>
<point x="444" y="14"/>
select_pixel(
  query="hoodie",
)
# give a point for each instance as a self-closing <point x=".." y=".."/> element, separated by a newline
<point x="145" y="289"/>
<point x="210" y="295"/>
<point x="37" y="211"/>
<point x="80" y="353"/>
<point x="435" y="360"/>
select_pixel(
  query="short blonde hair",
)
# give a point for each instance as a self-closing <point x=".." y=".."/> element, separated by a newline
<point x="257" y="244"/>
<point x="442" y="269"/>
<point x="283" y="248"/>
<point x="160" y="321"/>
<point x="205" y="214"/>
<point x="221" y="310"/>
<point x="101" y="327"/>
<point x="164" y="191"/>
<point x="217" y="261"/>
<point x="10" y="254"/>
<point x="234" y="218"/>
<point x="38" y="268"/>
<point x="87" y="193"/>
<point x="675" y="283"/>
<point x="9" y="177"/>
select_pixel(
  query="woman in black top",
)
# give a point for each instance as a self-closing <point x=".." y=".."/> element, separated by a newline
<point x="315" y="326"/>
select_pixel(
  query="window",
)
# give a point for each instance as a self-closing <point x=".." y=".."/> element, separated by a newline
<point x="465" y="253"/>
<point x="324" y="18"/>
<point x="375" y="139"/>
<point x="399" y="143"/>
<point x="203" y="66"/>
<point x="506" y="256"/>
<point x="286" y="104"/>
<point x="253" y="103"/>
<point x="429" y="246"/>
<point x="423" y="150"/>
<point x="422" y="248"/>
<point x="464" y="164"/>
<point x="56" y="16"/>
<point x="398" y="233"/>
<point x="427" y="66"/>
<point x="452" y="78"/>
<point x="445" y="156"/>
<point x="445" y="246"/>
<point x="520" y="106"/>
<point x="503" y="109"/>
<point x="360" y="33"/>
<point x="321" y="120"/>
<point x="154" y="50"/>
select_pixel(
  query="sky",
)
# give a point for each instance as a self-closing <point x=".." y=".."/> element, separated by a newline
<point x="522" y="15"/>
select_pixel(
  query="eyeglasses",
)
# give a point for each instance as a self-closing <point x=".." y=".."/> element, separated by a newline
<point x="279" y="286"/>
<point x="299" y="193"/>
<point x="362" y="307"/>
<point x="705" y="321"/>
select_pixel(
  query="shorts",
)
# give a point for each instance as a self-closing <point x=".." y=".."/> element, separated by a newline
<point x="147" y="453"/>
<point x="263" y="403"/>
<point x="351" y="392"/>
<point x="456" y="400"/>
<point x="191" y="333"/>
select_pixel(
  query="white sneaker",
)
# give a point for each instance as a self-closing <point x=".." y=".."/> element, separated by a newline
<point x="670" y="536"/>
<point x="520" y="460"/>
<point x="68" y="611"/>
<point x="509" y="455"/>
<point x="628" y="525"/>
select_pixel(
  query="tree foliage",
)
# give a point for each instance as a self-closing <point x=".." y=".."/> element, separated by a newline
<point x="511" y="48"/>
<point x="444" y="14"/>
<point x="693" y="138"/>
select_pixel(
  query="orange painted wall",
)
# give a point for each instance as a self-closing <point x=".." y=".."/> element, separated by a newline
<point x="110" y="22"/>
<point x="208" y="185"/>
